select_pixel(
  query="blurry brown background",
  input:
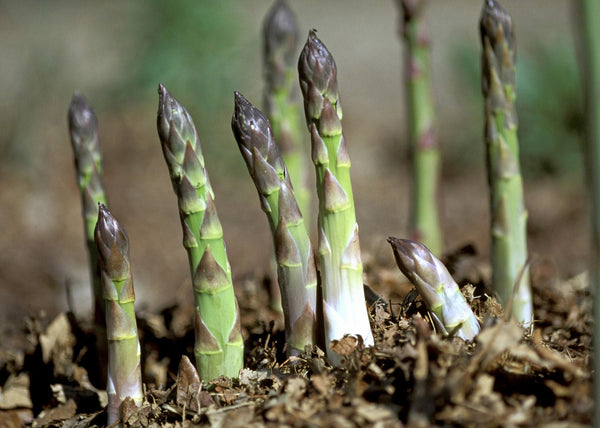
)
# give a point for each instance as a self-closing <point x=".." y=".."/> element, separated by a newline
<point x="115" y="53"/>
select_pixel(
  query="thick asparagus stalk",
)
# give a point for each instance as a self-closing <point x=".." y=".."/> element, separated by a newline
<point x="425" y="223"/>
<point x="449" y="309"/>
<point x="508" y="213"/>
<point x="219" y="347"/>
<point x="589" y="13"/>
<point x="344" y="304"/>
<point x="88" y="164"/>
<point x="280" y="38"/>
<point x="124" y="369"/>
<point x="293" y="251"/>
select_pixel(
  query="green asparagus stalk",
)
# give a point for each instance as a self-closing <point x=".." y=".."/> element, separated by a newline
<point x="450" y="311"/>
<point x="88" y="164"/>
<point x="282" y="108"/>
<point x="425" y="222"/>
<point x="219" y="347"/>
<point x="344" y="304"/>
<point x="508" y="213"/>
<point x="124" y="369"/>
<point x="589" y="12"/>
<point x="293" y="251"/>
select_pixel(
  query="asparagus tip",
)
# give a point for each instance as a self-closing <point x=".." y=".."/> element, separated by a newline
<point x="494" y="15"/>
<point x="81" y="115"/>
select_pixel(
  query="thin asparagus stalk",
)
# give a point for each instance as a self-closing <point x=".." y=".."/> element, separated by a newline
<point x="449" y="309"/>
<point x="219" y="347"/>
<point x="344" y="304"/>
<point x="124" y="369"/>
<point x="282" y="107"/>
<point x="508" y="212"/>
<point x="88" y="164"/>
<point x="425" y="222"/>
<point x="589" y="13"/>
<point x="293" y="251"/>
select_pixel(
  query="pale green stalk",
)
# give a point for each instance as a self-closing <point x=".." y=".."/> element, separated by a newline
<point x="293" y="251"/>
<point x="590" y="37"/>
<point x="88" y="165"/>
<point x="450" y="311"/>
<point x="124" y="369"/>
<point x="344" y="306"/>
<point x="219" y="347"/>
<point x="282" y="106"/>
<point x="510" y="274"/>
<point x="425" y="213"/>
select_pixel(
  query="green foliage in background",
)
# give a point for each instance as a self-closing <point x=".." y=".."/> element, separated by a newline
<point x="549" y="107"/>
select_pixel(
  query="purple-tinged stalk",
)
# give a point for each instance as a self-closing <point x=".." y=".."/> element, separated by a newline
<point x="510" y="274"/>
<point x="344" y="305"/>
<point x="450" y="311"/>
<point x="425" y="213"/>
<point x="124" y="369"/>
<point x="589" y="14"/>
<point x="83" y="127"/>
<point x="293" y="251"/>
<point x="219" y="347"/>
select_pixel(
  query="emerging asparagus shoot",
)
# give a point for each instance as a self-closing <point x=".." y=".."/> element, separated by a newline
<point x="124" y="369"/>
<point x="339" y="255"/>
<point x="293" y="251"/>
<point x="282" y="107"/>
<point x="219" y="347"/>
<point x="450" y="311"/>
<point x="425" y="223"/>
<point x="508" y="212"/>
<point x="88" y="164"/>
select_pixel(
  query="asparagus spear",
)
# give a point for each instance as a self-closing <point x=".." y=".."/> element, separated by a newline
<point x="219" y="347"/>
<point x="280" y="38"/>
<point x="589" y="13"/>
<point x="425" y="223"/>
<point x="508" y="213"/>
<point x="449" y="309"/>
<point x="124" y="369"/>
<point x="88" y="164"/>
<point x="293" y="251"/>
<point x="344" y="304"/>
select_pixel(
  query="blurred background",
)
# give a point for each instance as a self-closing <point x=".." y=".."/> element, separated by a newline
<point x="116" y="53"/>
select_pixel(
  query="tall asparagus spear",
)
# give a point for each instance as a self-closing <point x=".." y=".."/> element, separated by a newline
<point x="124" y="369"/>
<point x="344" y="304"/>
<point x="425" y="223"/>
<point x="219" y="347"/>
<point x="88" y="164"/>
<point x="589" y="13"/>
<point x="508" y="213"/>
<point x="282" y="108"/>
<point x="293" y="251"/>
<point x="450" y="311"/>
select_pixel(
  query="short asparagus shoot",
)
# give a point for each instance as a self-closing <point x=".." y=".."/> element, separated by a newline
<point x="425" y="213"/>
<point x="510" y="274"/>
<point x="219" y="347"/>
<point x="344" y="306"/>
<point x="124" y="369"/>
<point x="450" y="312"/>
<point x="293" y="251"/>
